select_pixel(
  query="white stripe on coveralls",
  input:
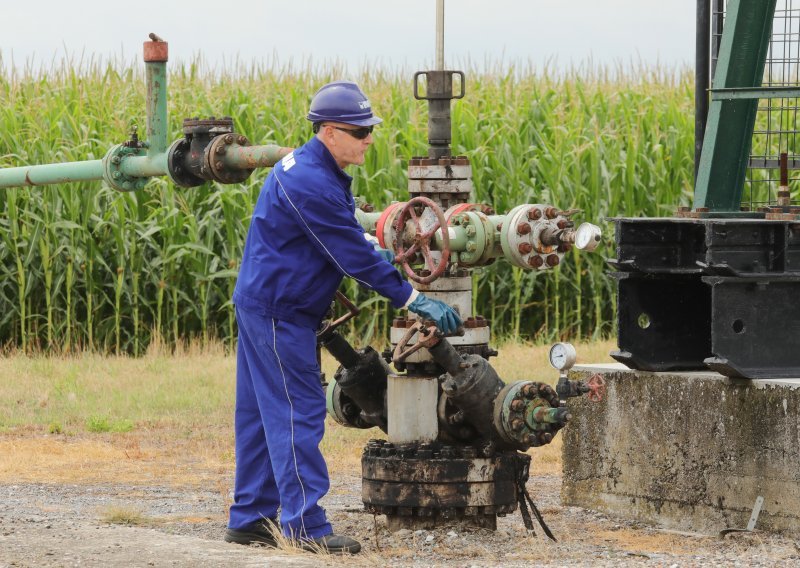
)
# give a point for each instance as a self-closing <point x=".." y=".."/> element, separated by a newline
<point x="291" y="424"/>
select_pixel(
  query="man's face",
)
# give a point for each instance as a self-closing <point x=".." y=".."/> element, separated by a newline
<point x="345" y="148"/>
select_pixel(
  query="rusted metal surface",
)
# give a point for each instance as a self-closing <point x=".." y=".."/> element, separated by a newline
<point x="438" y="482"/>
<point x="156" y="50"/>
<point x="422" y="240"/>
<point x="426" y="337"/>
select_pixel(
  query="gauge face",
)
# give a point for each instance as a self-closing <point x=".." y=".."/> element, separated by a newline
<point x="587" y="237"/>
<point x="562" y="356"/>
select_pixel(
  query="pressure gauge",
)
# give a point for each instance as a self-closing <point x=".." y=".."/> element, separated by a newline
<point x="562" y="356"/>
<point x="587" y="237"/>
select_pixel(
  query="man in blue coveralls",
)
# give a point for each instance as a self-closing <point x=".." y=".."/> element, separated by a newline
<point x="303" y="239"/>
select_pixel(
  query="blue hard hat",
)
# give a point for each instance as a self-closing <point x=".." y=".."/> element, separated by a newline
<point x="342" y="101"/>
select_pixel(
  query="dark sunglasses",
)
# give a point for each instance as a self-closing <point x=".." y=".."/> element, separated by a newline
<point x="357" y="133"/>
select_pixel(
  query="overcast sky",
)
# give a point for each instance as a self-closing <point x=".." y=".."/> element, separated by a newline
<point x="392" y="33"/>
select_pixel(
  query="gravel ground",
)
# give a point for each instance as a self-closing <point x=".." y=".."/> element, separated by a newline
<point x="84" y="525"/>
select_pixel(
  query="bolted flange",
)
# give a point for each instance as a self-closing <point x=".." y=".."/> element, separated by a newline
<point x="113" y="174"/>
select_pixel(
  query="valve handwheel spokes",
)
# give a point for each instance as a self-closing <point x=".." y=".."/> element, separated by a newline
<point x="597" y="388"/>
<point x="428" y="337"/>
<point x="422" y="240"/>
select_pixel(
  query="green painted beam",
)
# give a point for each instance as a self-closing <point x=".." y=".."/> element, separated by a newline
<point x="729" y="131"/>
<point x="755" y="93"/>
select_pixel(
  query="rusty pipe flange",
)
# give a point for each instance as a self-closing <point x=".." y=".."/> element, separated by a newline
<point x="422" y="238"/>
<point x="434" y="480"/>
<point x="521" y="236"/>
<point x="212" y="159"/>
<point x="528" y="414"/>
<point x="113" y="174"/>
<point x="178" y="173"/>
<point x="384" y="226"/>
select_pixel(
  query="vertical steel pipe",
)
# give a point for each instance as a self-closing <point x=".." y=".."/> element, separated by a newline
<point x="701" y="77"/>
<point x="440" y="35"/>
<point x="156" y="53"/>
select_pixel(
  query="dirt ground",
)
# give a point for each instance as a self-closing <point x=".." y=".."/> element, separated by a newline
<point x="99" y="509"/>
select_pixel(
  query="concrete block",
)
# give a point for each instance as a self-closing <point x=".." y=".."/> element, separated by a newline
<point x="686" y="451"/>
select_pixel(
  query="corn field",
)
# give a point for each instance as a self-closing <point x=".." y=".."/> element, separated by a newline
<point x="83" y="267"/>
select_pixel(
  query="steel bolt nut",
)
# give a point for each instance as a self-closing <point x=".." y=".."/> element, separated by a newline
<point x="523" y="228"/>
<point x="517" y="406"/>
<point x="536" y="261"/>
<point x="116" y="175"/>
<point x="564" y="247"/>
<point x="546" y="437"/>
<point x="551" y="212"/>
<point x="553" y="260"/>
<point x="471" y="246"/>
<point x="221" y="150"/>
<point x="525" y="248"/>
<point x="241" y="140"/>
<point x="228" y="139"/>
<point x="470" y="230"/>
<point x="534" y="214"/>
<point x="219" y="165"/>
<point x="517" y="424"/>
<point x="530" y="390"/>
<point x="116" y="160"/>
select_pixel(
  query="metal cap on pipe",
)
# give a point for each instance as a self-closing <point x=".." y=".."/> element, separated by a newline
<point x="156" y="50"/>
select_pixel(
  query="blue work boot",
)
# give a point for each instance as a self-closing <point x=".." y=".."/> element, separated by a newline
<point x="331" y="543"/>
<point x="258" y="533"/>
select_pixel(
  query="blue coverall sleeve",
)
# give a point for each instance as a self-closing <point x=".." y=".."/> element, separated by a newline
<point x="332" y="227"/>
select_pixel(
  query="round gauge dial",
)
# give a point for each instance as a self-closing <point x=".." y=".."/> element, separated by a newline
<point x="562" y="356"/>
<point x="587" y="237"/>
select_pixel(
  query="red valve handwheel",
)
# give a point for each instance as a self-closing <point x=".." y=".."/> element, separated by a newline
<point x="422" y="240"/>
<point x="597" y="388"/>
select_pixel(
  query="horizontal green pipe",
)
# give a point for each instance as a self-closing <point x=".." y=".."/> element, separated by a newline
<point x="251" y="157"/>
<point x="367" y="220"/>
<point x="458" y="239"/>
<point x="144" y="166"/>
<point x="51" y="173"/>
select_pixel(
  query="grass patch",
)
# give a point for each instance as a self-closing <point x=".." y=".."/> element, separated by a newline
<point x="182" y="408"/>
<point x="125" y="516"/>
<point x="103" y="424"/>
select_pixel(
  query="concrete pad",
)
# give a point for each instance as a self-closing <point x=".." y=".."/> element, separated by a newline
<point x="686" y="451"/>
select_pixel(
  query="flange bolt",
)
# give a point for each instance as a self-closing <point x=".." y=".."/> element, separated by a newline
<point x="525" y="248"/>
<point x="535" y="214"/>
<point x="523" y="228"/>
<point x="553" y="260"/>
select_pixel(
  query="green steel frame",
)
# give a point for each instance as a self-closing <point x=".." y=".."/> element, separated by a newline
<point x="735" y="92"/>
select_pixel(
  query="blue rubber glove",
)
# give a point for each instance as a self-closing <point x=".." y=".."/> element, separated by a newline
<point x="445" y="317"/>
<point x="387" y="255"/>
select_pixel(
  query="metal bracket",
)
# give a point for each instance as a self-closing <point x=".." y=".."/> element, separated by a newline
<point x="460" y="95"/>
<point x="751" y="524"/>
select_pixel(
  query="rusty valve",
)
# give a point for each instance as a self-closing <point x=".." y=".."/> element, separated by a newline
<point x="597" y="388"/>
<point x="422" y="240"/>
